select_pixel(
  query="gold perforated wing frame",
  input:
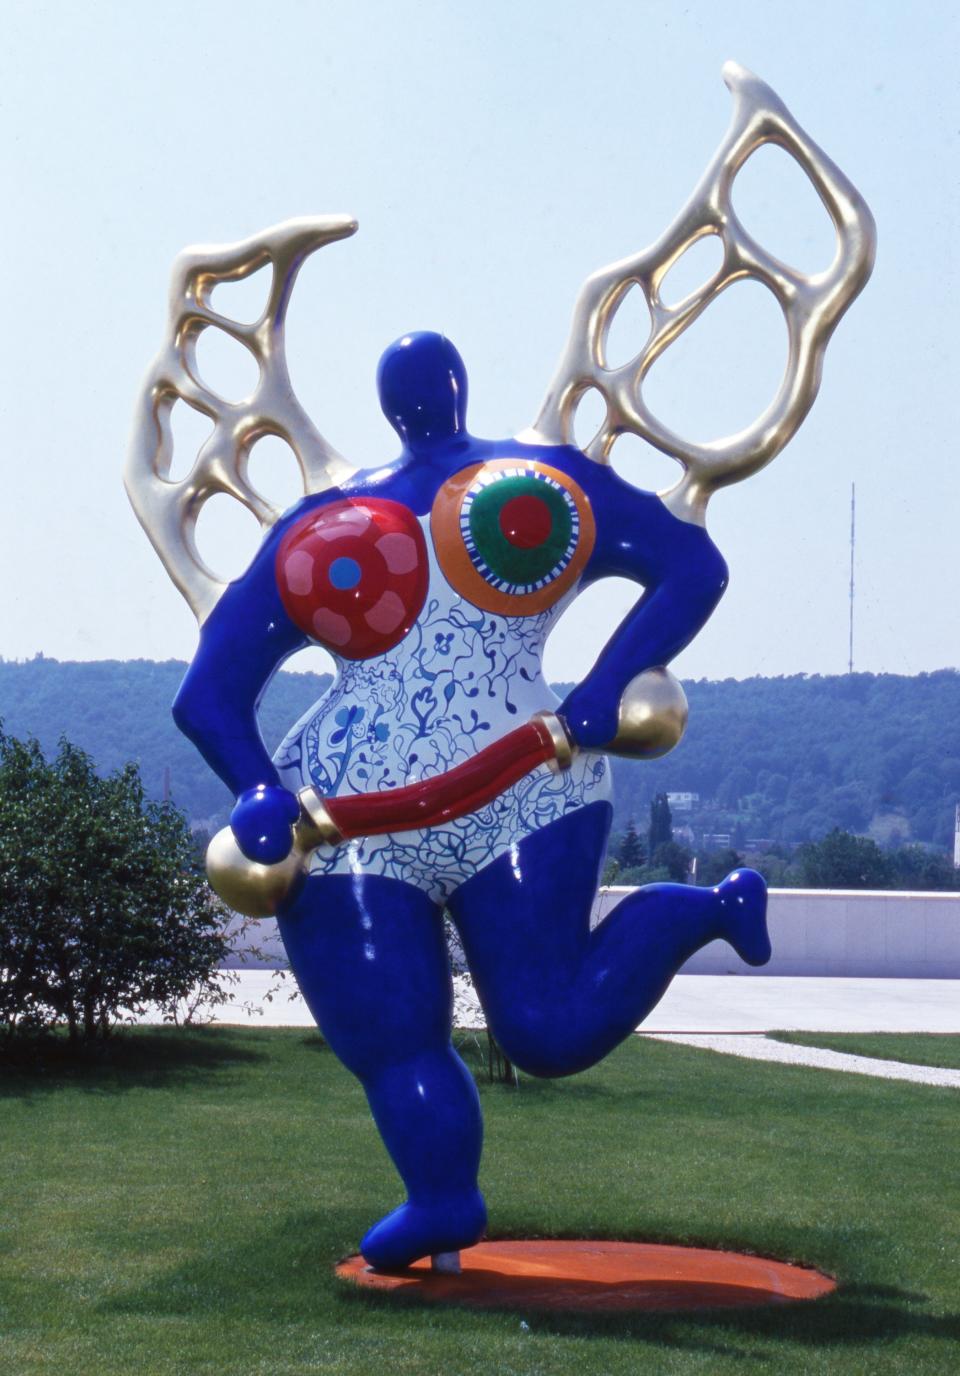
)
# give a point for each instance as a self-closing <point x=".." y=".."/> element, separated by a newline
<point x="168" y="509"/>
<point x="811" y="305"/>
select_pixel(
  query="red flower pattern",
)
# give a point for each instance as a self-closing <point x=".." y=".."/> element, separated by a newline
<point x="353" y="575"/>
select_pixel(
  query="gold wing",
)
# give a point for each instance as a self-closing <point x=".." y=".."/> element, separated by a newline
<point x="811" y="305"/>
<point x="168" y="509"/>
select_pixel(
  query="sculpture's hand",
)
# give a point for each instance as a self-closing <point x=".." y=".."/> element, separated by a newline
<point x="590" y="718"/>
<point x="649" y="720"/>
<point x="262" y="822"/>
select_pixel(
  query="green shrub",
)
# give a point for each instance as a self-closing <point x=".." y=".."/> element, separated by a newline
<point x="103" y="905"/>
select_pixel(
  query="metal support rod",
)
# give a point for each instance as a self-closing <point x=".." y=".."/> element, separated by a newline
<point x="853" y="545"/>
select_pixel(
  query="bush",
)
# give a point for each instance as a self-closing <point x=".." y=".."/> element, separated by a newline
<point x="644" y="874"/>
<point x="103" y="905"/>
<point x="842" y="861"/>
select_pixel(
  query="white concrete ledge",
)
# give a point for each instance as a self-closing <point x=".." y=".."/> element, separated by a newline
<point x="862" y="934"/>
<point x="858" y="933"/>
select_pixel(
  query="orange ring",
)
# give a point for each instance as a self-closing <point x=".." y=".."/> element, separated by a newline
<point x="455" y="561"/>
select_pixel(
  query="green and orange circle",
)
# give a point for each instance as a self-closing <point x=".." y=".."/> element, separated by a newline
<point x="512" y="535"/>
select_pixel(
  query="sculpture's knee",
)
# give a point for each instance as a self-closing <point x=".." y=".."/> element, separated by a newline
<point x="541" y="1043"/>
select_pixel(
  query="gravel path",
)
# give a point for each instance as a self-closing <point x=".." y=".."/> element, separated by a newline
<point x="760" y="1048"/>
<point x="753" y="1046"/>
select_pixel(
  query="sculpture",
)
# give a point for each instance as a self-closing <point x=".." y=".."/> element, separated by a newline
<point x="439" y="769"/>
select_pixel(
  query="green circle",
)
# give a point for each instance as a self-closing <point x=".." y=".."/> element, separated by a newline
<point x="507" y="561"/>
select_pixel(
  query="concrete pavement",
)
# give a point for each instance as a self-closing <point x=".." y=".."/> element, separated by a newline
<point x="693" y="1003"/>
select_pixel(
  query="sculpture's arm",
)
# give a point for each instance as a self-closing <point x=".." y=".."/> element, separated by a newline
<point x="683" y="575"/>
<point x="242" y="643"/>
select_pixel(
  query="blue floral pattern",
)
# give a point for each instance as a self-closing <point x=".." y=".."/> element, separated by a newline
<point x="460" y="679"/>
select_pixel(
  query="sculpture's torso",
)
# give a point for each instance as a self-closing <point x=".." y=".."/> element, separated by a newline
<point x="462" y="676"/>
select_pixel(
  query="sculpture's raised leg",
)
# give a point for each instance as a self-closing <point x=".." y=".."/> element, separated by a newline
<point x="559" y="997"/>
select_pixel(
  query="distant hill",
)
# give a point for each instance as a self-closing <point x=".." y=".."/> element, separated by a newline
<point x="119" y="710"/>
<point x="791" y="758"/>
<point x="779" y="758"/>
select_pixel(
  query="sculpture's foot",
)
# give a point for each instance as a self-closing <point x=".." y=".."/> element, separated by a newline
<point x="743" y="900"/>
<point x="421" y="1230"/>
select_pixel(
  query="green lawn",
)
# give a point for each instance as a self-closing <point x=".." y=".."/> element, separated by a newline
<point x="177" y="1208"/>
<point x="916" y="1048"/>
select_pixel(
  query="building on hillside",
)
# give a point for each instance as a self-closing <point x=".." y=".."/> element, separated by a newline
<point x="683" y="802"/>
<point x="717" y="840"/>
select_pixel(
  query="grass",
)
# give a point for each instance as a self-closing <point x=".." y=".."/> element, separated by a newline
<point x="176" y="1206"/>
<point x="941" y="1049"/>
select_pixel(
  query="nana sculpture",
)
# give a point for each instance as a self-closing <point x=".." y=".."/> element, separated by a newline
<point x="439" y="771"/>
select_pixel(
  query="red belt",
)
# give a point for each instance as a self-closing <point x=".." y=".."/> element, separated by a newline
<point x="431" y="802"/>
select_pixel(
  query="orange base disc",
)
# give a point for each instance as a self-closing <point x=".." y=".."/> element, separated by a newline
<point x="583" y="1275"/>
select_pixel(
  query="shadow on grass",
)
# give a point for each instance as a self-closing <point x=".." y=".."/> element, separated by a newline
<point x="133" y="1058"/>
<point x="532" y="1089"/>
<point x="838" y="1322"/>
<point x="855" y="1316"/>
<point x="286" y="1274"/>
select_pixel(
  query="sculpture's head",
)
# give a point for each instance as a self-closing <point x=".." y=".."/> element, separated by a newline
<point x="423" y="389"/>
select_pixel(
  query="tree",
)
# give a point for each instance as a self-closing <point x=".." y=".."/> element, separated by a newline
<point x="914" y="867"/>
<point x="714" y="865"/>
<point x="103" y="906"/>
<point x="630" y="854"/>
<point x="673" y="858"/>
<point x="737" y="783"/>
<point x="661" y="823"/>
<point x="842" y="861"/>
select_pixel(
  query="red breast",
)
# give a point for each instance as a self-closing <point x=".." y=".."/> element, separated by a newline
<point x="353" y="575"/>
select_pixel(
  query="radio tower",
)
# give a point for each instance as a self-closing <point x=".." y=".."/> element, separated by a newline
<point x="853" y="546"/>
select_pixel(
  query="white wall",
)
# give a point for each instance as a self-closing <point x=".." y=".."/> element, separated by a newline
<point x="813" y="932"/>
<point x="859" y="933"/>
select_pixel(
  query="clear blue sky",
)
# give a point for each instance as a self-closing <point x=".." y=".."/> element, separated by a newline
<point x="494" y="155"/>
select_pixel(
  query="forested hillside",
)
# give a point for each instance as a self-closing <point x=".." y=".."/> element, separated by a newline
<point x="119" y="710"/>
<point x="783" y="758"/>
<point x="792" y="758"/>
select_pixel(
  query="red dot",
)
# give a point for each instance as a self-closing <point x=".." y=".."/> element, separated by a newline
<point x="525" y="521"/>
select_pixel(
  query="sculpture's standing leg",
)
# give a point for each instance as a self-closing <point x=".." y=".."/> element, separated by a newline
<point x="370" y="958"/>
<point x="560" y="997"/>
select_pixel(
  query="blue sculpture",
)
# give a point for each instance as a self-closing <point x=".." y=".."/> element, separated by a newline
<point x="439" y="771"/>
